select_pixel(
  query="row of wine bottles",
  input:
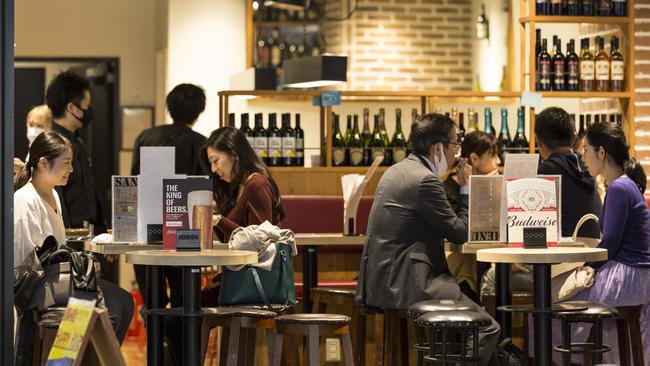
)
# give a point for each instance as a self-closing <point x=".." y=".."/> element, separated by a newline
<point x="275" y="147"/>
<point x="586" y="120"/>
<point x="588" y="72"/>
<point x="603" y="8"/>
<point x="361" y="147"/>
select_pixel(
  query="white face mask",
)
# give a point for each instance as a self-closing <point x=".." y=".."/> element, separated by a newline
<point x="32" y="133"/>
<point x="440" y="163"/>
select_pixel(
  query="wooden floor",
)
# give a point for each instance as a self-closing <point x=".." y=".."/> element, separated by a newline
<point x="135" y="353"/>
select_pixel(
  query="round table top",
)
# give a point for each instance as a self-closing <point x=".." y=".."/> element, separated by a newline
<point x="214" y="257"/>
<point x="542" y="255"/>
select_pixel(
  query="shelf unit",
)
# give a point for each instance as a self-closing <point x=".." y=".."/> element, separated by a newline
<point x="625" y="98"/>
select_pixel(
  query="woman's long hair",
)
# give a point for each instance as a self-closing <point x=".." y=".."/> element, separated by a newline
<point x="49" y="145"/>
<point x="612" y="139"/>
<point x="231" y="141"/>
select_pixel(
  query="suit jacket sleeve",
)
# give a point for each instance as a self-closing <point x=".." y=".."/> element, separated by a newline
<point x="435" y="210"/>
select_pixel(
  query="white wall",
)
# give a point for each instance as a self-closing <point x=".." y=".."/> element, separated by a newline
<point x="206" y="45"/>
<point x="92" y="28"/>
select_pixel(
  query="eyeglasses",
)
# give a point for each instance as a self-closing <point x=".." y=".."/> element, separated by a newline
<point x="456" y="145"/>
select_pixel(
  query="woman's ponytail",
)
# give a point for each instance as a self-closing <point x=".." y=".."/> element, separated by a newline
<point x="23" y="176"/>
<point x="634" y="171"/>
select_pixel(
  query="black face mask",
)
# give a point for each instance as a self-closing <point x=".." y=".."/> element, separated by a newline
<point x="87" y="117"/>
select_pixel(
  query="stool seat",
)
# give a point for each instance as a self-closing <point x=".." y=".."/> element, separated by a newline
<point x="276" y="308"/>
<point x="453" y="319"/>
<point x="594" y="311"/>
<point x="427" y="306"/>
<point x="315" y="319"/>
<point x="336" y="291"/>
<point x="252" y="313"/>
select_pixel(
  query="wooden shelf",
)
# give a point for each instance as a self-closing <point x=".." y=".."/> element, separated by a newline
<point x="575" y="19"/>
<point x="286" y="24"/>
<point x="374" y="94"/>
<point x="586" y="95"/>
<point x="341" y="169"/>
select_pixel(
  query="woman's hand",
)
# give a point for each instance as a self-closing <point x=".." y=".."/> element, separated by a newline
<point x="463" y="171"/>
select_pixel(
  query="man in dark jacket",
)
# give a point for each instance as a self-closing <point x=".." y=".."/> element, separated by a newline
<point x="555" y="135"/>
<point x="403" y="259"/>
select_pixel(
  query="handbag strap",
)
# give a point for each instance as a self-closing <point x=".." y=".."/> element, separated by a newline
<point x="260" y="289"/>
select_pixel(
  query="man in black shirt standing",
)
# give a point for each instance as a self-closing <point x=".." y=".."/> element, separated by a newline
<point x="185" y="103"/>
<point x="68" y="97"/>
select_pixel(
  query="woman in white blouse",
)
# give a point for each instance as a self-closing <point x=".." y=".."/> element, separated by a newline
<point x="37" y="210"/>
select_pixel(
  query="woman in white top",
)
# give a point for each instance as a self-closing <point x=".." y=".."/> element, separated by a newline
<point x="37" y="210"/>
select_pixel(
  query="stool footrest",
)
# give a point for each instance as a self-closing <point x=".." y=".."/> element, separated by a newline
<point x="583" y="348"/>
<point x="556" y="308"/>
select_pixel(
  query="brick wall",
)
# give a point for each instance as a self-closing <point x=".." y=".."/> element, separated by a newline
<point x="642" y="76"/>
<point x="404" y="44"/>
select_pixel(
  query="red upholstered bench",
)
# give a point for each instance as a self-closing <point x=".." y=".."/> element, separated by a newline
<point x="647" y="199"/>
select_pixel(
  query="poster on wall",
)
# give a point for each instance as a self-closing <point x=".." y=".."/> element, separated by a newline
<point x="125" y="208"/>
<point x="187" y="205"/>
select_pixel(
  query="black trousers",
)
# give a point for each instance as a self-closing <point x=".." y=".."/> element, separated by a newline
<point x="174" y="279"/>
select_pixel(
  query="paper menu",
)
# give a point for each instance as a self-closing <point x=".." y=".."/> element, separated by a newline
<point x="125" y="208"/>
<point x="484" y="222"/>
<point x="516" y="166"/>
<point x="353" y="186"/>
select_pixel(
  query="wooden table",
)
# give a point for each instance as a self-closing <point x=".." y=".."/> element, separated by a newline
<point x="190" y="261"/>
<point x="123" y="248"/>
<point x="541" y="259"/>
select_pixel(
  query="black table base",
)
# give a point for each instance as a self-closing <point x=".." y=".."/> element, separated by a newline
<point x="309" y="275"/>
<point x="192" y="325"/>
<point x="542" y="319"/>
<point x="503" y="297"/>
<point x="155" y="349"/>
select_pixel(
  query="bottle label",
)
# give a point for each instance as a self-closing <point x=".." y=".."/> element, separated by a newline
<point x="288" y="147"/>
<point x="338" y="155"/>
<point x="261" y="147"/>
<point x="602" y="70"/>
<point x="300" y="143"/>
<point x="376" y="152"/>
<point x="618" y="70"/>
<point x="572" y="73"/>
<point x="398" y="155"/>
<point x="275" y="147"/>
<point x="559" y="74"/>
<point x="587" y="70"/>
<point x="356" y="156"/>
<point x="544" y="73"/>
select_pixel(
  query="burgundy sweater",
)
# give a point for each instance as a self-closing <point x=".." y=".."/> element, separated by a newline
<point x="253" y="207"/>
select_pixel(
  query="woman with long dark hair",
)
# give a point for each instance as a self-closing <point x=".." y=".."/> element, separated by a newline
<point x="245" y="192"/>
<point x="624" y="279"/>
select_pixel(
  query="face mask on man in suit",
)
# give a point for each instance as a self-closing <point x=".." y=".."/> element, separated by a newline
<point x="439" y="161"/>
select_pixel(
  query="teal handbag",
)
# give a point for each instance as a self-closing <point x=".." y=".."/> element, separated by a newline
<point x="252" y="285"/>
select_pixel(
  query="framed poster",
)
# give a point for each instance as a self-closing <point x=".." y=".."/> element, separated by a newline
<point x="135" y="119"/>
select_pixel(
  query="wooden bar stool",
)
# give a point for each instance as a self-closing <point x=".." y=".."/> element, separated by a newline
<point x="396" y="343"/>
<point x="629" y="334"/>
<point x="363" y="313"/>
<point x="313" y="326"/>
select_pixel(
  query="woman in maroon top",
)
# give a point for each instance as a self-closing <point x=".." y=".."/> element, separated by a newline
<point x="245" y="193"/>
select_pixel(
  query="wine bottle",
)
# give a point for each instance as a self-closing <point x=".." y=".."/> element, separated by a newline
<point x="542" y="7"/>
<point x="275" y="142"/>
<point x="602" y="66"/>
<point x="384" y="137"/>
<point x="288" y="141"/>
<point x="556" y="7"/>
<point x="472" y="120"/>
<point x="612" y="118"/>
<point x="355" y="145"/>
<point x="338" y="144"/>
<point x="618" y="66"/>
<point x="482" y="24"/>
<point x="588" y="8"/>
<point x="572" y="65"/>
<point x="276" y="52"/>
<point x="558" y="67"/>
<point x="377" y="147"/>
<point x="603" y="117"/>
<point x="604" y="8"/>
<point x="588" y="120"/>
<point x="538" y="50"/>
<point x="597" y="119"/>
<point x="619" y="119"/>
<point x="587" y="67"/>
<point x="398" y="144"/>
<point x="572" y="7"/>
<point x="544" y="68"/>
<point x="261" y="139"/>
<point x="366" y="136"/>
<point x="231" y="120"/>
<point x="246" y="130"/>
<point x="503" y="141"/>
<point x="348" y="129"/>
<point x="461" y="127"/>
<point x="300" y="143"/>
<point x="581" y="130"/>
<point x="488" y="122"/>
<point x="619" y="8"/>
<point x="520" y="143"/>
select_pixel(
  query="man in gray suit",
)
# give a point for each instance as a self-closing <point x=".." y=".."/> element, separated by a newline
<point x="403" y="260"/>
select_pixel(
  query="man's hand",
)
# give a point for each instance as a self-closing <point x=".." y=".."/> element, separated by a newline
<point x="463" y="171"/>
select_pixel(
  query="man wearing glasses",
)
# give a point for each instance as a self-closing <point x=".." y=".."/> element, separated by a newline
<point x="403" y="259"/>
